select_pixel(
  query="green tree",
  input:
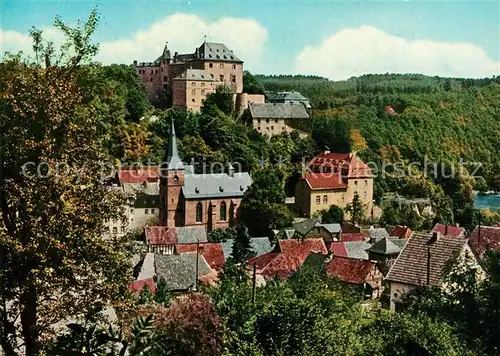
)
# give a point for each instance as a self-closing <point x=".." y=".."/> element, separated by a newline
<point x="55" y="262"/>
<point x="242" y="248"/>
<point x="332" y="133"/>
<point x="263" y="207"/>
<point x="251" y="85"/>
<point x="334" y="214"/>
<point x="220" y="100"/>
<point x="222" y="235"/>
<point x="356" y="209"/>
<point x="162" y="295"/>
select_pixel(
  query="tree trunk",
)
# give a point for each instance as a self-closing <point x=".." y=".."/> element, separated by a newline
<point x="28" y="320"/>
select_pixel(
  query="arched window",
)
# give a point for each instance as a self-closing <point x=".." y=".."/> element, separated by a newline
<point x="223" y="211"/>
<point x="199" y="212"/>
<point x="176" y="179"/>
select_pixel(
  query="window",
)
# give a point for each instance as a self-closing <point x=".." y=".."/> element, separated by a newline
<point x="267" y="128"/>
<point x="123" y="228"/>
<point x="355" y="183"/>
<point x="151" y="71"/>
<point x="366" y="182"/>
<point x="283" y="128"/>
<point x="202" y="84"/>
<point x="234" y="66"/>
<point x="203" y="92"/>
<point x="176" y="179"/>
<point x="193" y="84"/>
<point x="193" y="92"/>
<point x="276" y="120"/>
<point x="165" y="79"/>
<point x="267" y="120"/>
<point x="156" y="71"/>
<point x="199" y="212"/>
<point x="272" y="127"/>
<point x="165" y="86"/>
<point x="115" y="230"/>
<point x="131" y="211"/>
<point x="365" y="195"/>
<point x="210" y="65"/>
<point x="223" y="211"/>
<point x="150" y="79"/>
<point x="258" y="128"/>
<point x="258" y="120"/>
<point x="193" y="100"/>
<point x="233" y="78"/>
<point x="146" y="211"/>
<point x="221" y="77"/>
<point x="325" y="199"/>
<point x="222" y="66"/>
<point x="152" y="211"/>
<point x="318" y="199"/>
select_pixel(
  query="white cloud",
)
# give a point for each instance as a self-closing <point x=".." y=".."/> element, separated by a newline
<point x="365" y="50"/>
<point x="184" y="32"/>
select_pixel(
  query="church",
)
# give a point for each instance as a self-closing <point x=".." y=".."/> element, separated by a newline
<point x="188" y="199"/>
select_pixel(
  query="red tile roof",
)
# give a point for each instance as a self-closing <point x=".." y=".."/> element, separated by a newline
<point x="350" y="165"/>
<point x="449" y="230"/>
<point x="213" y="252"/>
<point x="161" y="235"/>
<point x="489" y="239"/>
<point x="137" y="286"/>
<point x="303" y="248"/>
<point x="325" y="181"/>
<point x="138" y="174"/>
<point x="403" y="232"/>
<point x="349" y="270"/>
<point x="352" y="237"/>
<point x="338" y="249"/>
<point x="292" y="255"/>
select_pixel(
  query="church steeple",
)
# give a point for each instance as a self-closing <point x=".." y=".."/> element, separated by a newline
<point x="172" y="159"/>
<point x="166" y="52"/>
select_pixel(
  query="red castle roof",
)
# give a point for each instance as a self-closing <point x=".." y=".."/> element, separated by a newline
<point x="489" y="239"/>
<point x="137" y="286"/>
<point x="325" y="181"/>
<point x="138" y="174"/>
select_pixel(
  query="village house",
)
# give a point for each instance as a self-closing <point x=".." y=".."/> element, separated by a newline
<point x="288" y="97"/>
<point x="422" y="262"/>
<point x="358" y="272"/>
<point x="334" y="179"/>
<point x="275" y="118"/>
<point x="285" y="258"/>
<point x="485" y="238"/>
<point x="179" y="79"/>
<point x="449" y="230"/>
<point x="310" y="228"/>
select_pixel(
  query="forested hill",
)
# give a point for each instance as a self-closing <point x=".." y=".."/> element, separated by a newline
<point x="444" y="119"/>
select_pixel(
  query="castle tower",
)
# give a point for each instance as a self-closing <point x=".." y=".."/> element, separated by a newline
<point x="171" y="183"/>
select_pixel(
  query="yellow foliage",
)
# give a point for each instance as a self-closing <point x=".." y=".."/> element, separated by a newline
<point x="358" y="142"/>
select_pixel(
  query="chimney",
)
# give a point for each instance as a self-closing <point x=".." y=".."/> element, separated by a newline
<point x="435" y="237"/>
<point x="230" y="171"/>
<point x="446" y="230"/>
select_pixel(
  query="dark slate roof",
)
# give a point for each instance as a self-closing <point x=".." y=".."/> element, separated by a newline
<point x="199" y="186"/>
<point x="173" y="160"/>
<point x="179" y="270"/>
<point x="303" y="227"/>
<point x="331" y="228"/>
<point x="399" y="242"/>
<point x="191" y="234"/>
<point x="218" y="52"/>
<point x="277" y="111"/>
<point x="195" y="74"/>
<point x="184" y="57"/>
<point x="377" y="233"/>
<point x="411" y="265"/>
<point x="384" y="247"/>
<point x="260" y="245"/>
<point x="357" y="249"/>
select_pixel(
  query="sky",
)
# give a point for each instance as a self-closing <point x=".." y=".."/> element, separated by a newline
<point x="336" y="40"/>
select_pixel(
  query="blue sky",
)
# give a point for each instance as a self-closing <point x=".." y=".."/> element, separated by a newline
<point x="334" y="39"/>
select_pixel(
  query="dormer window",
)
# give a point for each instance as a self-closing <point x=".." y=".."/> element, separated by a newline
<point x="221" y="189"/>
<point x="176" y="179"/>
<point x="196" y="190"/>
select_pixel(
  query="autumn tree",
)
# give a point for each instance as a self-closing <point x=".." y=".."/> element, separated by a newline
<point x="54" y="261"/>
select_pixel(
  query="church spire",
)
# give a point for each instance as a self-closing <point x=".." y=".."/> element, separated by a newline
<point x="173" y="160"/>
